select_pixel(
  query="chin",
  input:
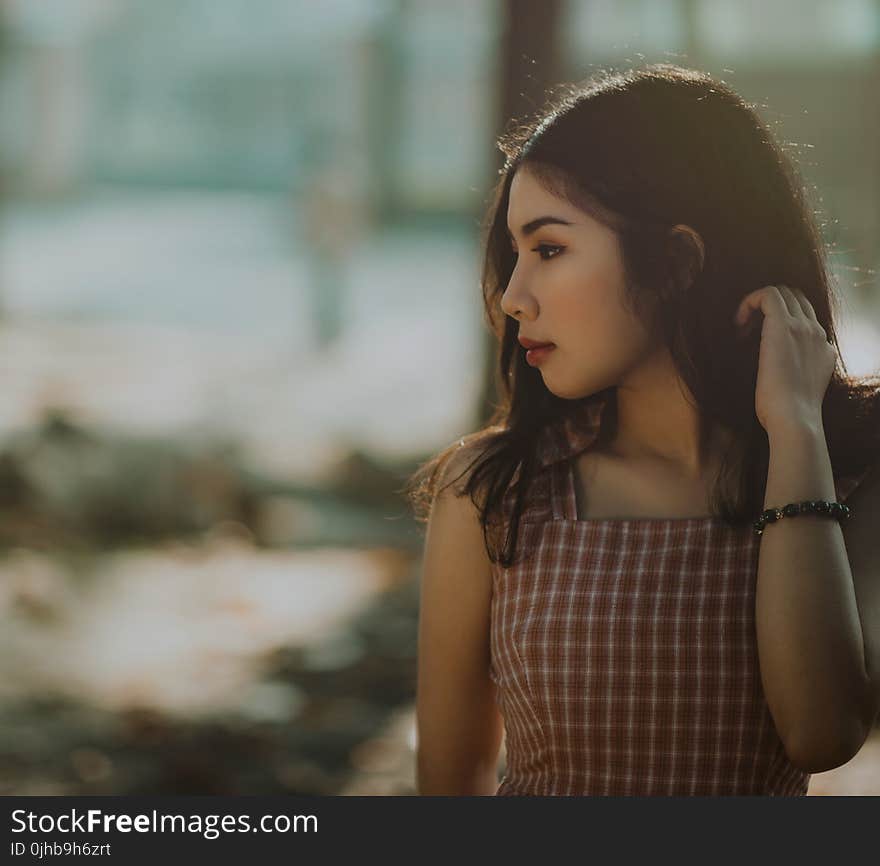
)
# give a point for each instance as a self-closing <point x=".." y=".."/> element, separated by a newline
<point x="559" y="390"/>
<point x="573" y="391"/>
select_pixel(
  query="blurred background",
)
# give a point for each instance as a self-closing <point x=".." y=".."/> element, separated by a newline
<point x="239" y="304"/>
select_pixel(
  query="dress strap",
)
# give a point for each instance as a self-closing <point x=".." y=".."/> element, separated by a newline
<point x="562" y="495"/>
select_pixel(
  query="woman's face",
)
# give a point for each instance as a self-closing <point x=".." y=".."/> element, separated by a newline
<point x="567" y="288"/>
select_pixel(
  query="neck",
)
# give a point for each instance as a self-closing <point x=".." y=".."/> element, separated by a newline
<point x="660" y="423"/>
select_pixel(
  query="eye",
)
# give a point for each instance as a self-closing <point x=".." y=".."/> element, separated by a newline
<point x="543" y="249"/>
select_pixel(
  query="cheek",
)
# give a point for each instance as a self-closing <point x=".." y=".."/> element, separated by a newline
<point x="592" y="307"/>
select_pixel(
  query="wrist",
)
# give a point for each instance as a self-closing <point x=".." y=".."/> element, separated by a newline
<point x="798" y="428"/>
<point x="800" y="465"/>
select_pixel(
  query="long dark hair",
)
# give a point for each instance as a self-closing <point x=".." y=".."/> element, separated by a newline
<point x="642" y="151"/>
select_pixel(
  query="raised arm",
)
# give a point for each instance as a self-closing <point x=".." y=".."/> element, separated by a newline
<point x="458" y="722"/>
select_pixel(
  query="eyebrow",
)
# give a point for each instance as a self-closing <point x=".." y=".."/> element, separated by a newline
<point x="531" y="227"/>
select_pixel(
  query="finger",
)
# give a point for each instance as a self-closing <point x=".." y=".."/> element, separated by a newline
<point x="788" y="298"/>
<point x="767" y="299"/>
<point x="798" y="305"/>
<point x="809" y="310"/>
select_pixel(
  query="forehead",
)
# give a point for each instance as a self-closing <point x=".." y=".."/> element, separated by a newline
<point x="529" y="200"/>
<point x="525" y="191"/>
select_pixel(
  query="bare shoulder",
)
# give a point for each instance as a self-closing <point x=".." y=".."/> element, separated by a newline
<point x="459" y="725"/>
<point x="454" y="514"/>
<point x="465" y="453"/>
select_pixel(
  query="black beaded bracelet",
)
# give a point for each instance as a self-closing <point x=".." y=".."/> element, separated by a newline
<point x="837" y="510"/>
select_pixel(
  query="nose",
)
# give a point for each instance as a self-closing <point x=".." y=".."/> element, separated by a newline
<point x="516" y="302"/>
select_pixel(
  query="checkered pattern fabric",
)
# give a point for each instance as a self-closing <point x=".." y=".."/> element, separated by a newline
<point x="624" y="651"/>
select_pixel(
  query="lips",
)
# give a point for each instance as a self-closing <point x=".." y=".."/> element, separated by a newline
<point x="533" y="344"/>
<point x="537" y="354"/>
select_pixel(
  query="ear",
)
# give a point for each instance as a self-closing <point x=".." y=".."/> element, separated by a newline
<point x="688" y="254"/>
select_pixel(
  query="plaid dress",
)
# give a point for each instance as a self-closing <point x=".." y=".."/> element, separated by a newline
<point x="624" y="651"/>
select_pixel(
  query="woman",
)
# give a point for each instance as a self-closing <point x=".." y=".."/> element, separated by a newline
<point x="640" y="632"/>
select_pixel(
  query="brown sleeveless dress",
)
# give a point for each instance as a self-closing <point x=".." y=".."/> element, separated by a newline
<point x="624" y="651"/>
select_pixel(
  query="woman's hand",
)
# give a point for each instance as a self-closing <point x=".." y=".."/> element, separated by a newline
<point x="796" y="360"/>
